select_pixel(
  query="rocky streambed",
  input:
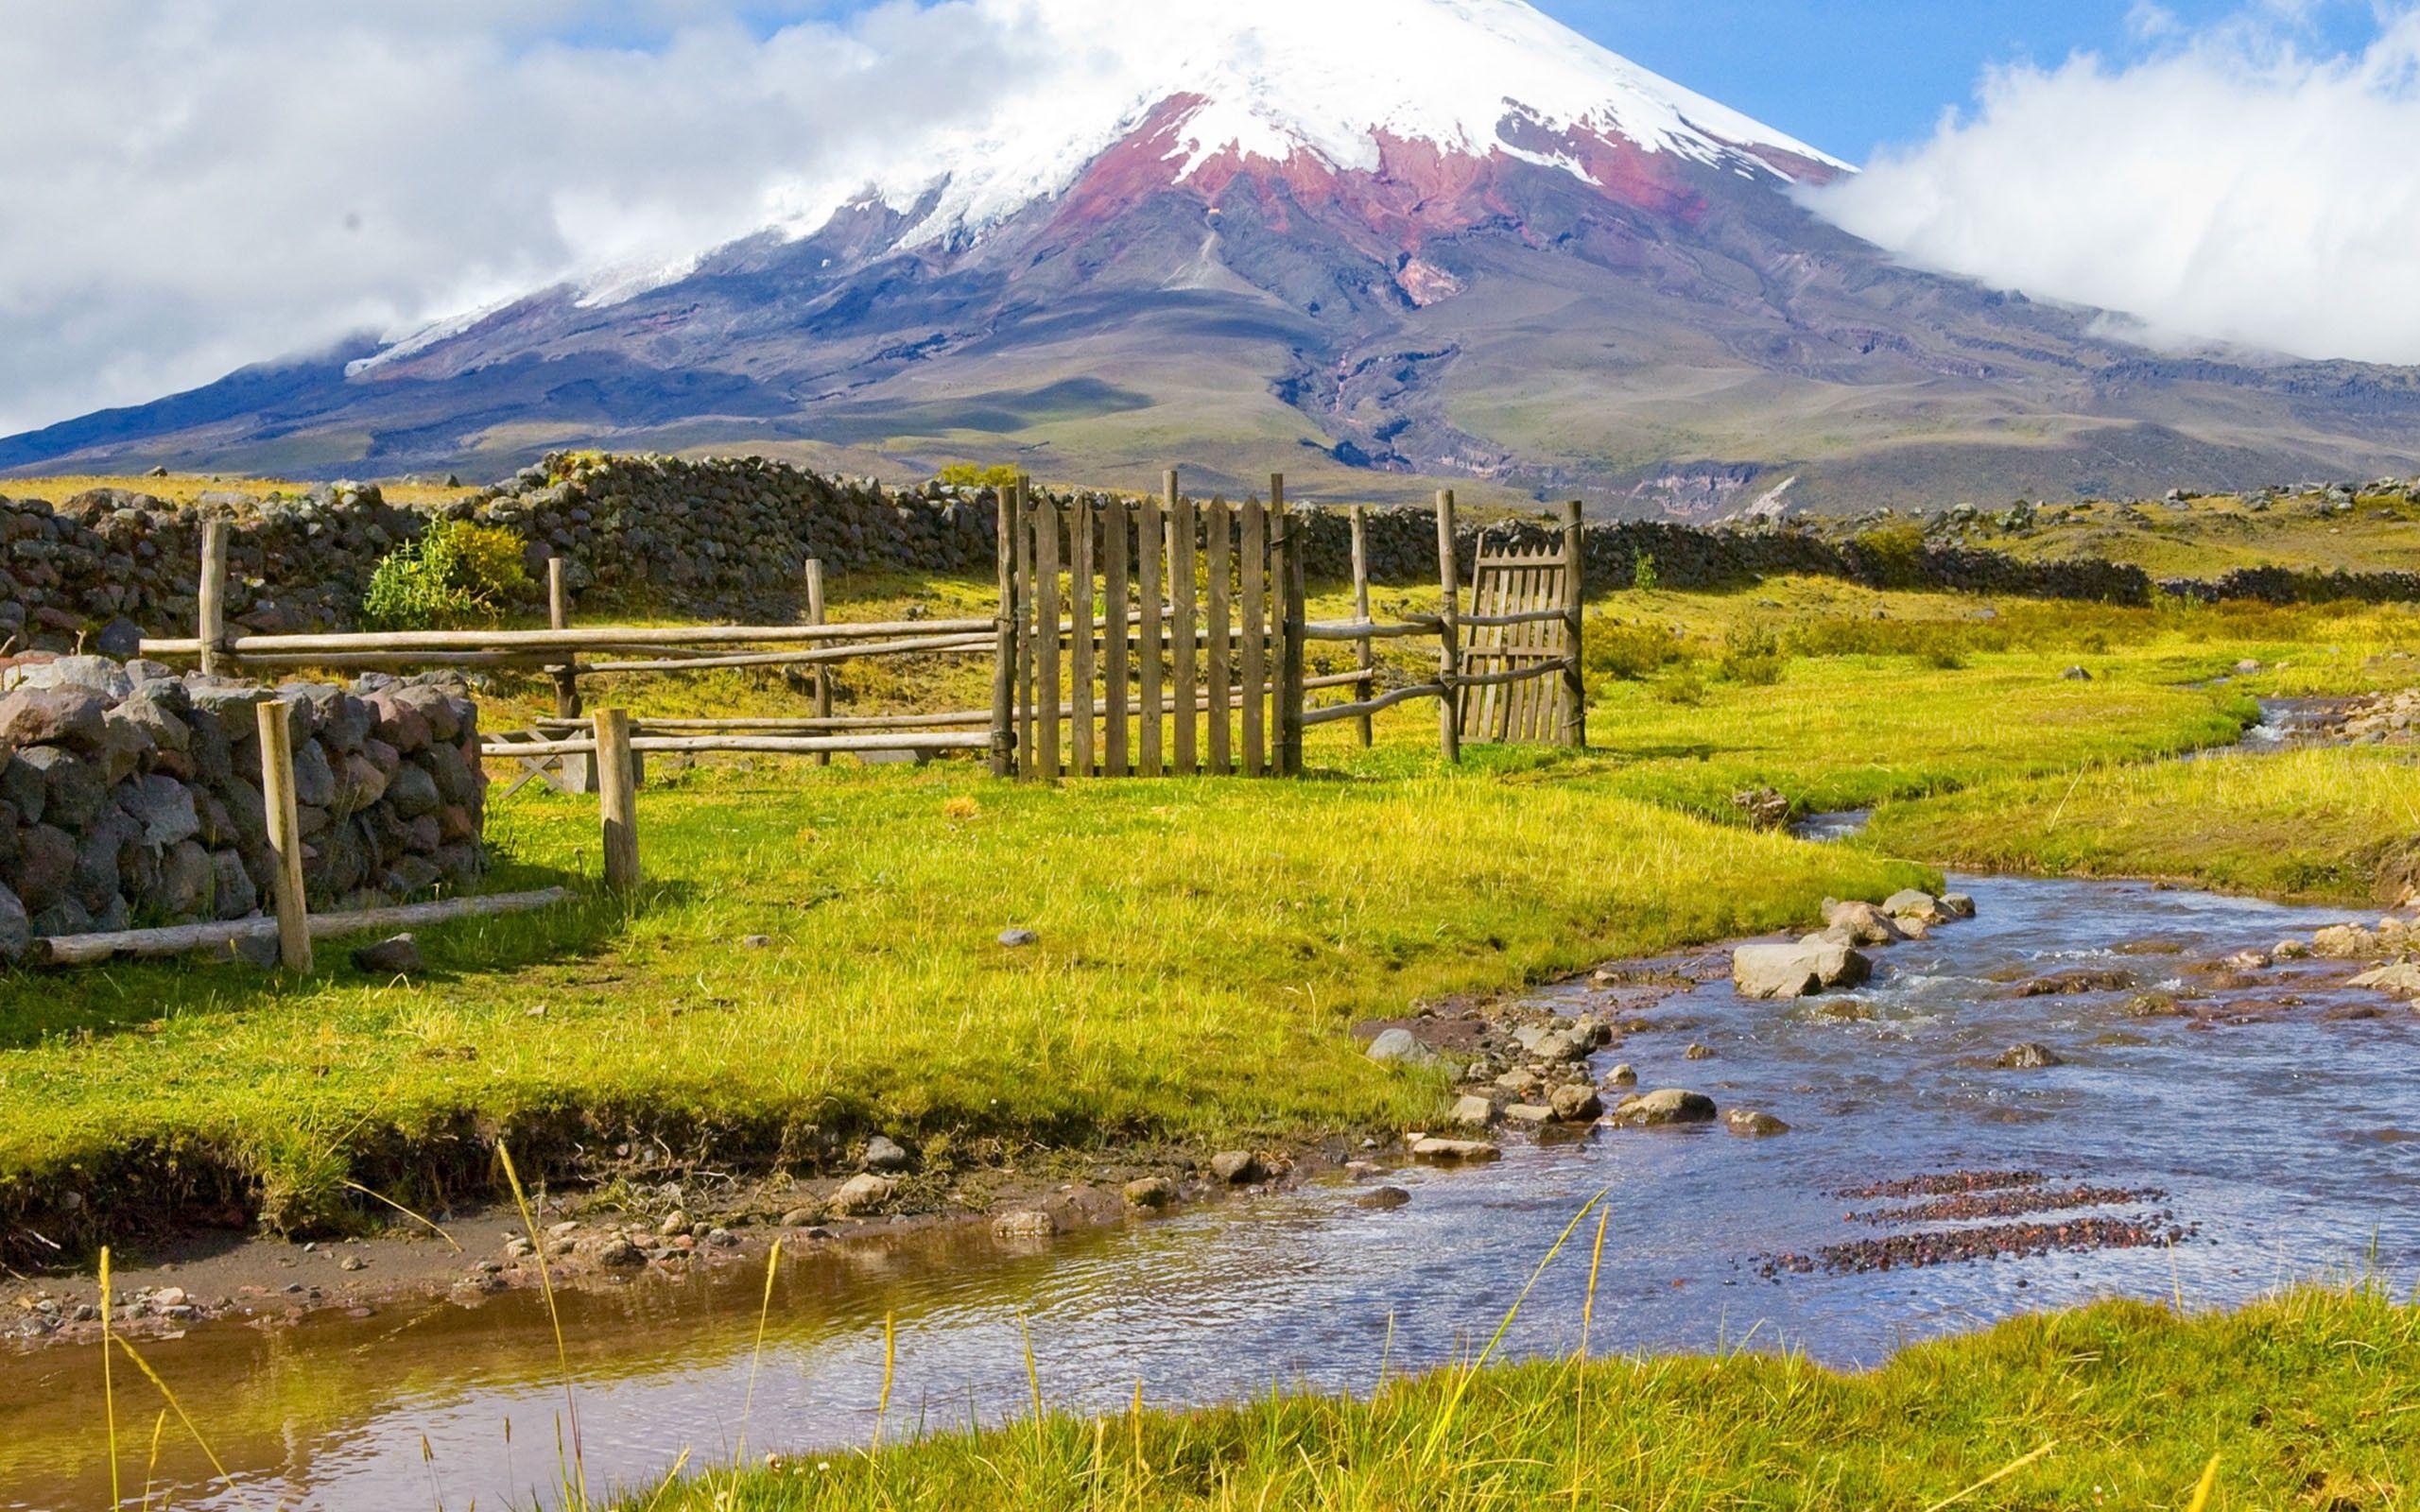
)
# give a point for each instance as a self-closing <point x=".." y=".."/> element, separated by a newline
<point x="2085" y="1088"/>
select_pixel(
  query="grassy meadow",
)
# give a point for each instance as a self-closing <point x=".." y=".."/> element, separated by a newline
<point x="2308" y="1401"/>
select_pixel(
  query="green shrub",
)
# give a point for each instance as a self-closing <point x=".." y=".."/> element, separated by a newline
<point x="457" y="574"/>
<point x="1642" y="573"/>
<point x="1753" y="657"/>
<point x="1682" y="686"/>
<point x="1893" y="552"/>
<point x="1631" y="653"/>
<point x="967" y="476"/>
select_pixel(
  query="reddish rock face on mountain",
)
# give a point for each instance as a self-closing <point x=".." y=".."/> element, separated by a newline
<point x="1368" y="242"/>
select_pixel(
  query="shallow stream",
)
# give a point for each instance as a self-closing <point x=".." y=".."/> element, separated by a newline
<point x="2280" y="1140"/>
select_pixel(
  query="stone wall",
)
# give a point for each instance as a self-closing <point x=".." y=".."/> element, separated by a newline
<point x="131" y="797"/>
<point x="729" y="539"/>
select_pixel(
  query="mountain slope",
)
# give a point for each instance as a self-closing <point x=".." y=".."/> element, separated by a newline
<point x="1368" y="242"/>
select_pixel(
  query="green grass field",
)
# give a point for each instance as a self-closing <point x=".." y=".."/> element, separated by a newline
<point x="1203" y="943"/>
<point x="2311" y="1401"/>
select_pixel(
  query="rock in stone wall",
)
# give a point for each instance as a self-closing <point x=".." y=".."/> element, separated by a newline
<point x="131" y="797"/>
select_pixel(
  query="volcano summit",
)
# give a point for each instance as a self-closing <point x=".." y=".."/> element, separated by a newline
<point x="1369" y="242"/>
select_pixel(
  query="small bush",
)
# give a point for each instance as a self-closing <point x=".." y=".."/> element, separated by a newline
<point x="967" y="476"/>
<point x="1753" y="657"/>
<point x="457" y="574"/>
<point x="1894" y="554"/>
<point x="1643" y="578"/>
<point x="1631" y="653"/>
<point x="1681" y="686"/>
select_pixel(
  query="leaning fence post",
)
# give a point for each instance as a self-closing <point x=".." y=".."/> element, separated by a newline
<point x="1291" y="619"/>
<point x="823" y="675"/>
<point x="1365" y="651"/>
<point x="1449" y="654"/>
<point x="559" y="615"/>
<point x="1575" y="623"/>
<point x="285" y="834"/>
<point x="213" y="597"/>
<point x="1004" y="672"/>
<point x="617" y="797"/>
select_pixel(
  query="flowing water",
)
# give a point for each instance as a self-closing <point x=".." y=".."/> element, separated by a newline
<point x="2280" y="1139"/>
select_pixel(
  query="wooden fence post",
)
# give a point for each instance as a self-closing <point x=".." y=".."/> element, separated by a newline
<point x="1292" y="618"/>
<point x="617" y="797"/>
<point x="1253" y="571"/>
<point x="1575" y="622"/>
<point x="1004" y="672"/>
<point x="1117" y="530"/>
<point x="815" y="612"/>
<point x="213" y="596"/>
<point x="1450" y="655"/>
<point x="285" y="834"/>
<point x="1046" y="633"/>
<point x="1183" y="530"/>
<point x="1150" y="577"/>
<point x="1083" y="653"/>
<point x="1028" y="609"/>
<point x="1365" y="652"/>
<point x="1219" y="528"/>
<point x="559" y="615"/>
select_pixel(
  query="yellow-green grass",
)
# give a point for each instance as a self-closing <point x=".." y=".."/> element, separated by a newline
<point x="187" y="487"/>
<point x="2309" y="1400"/>
<point x="2334" y="825"/>
<point x="2215" y="536"/>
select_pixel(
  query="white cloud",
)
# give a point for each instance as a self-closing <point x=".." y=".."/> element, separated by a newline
<point x="2227" y="187"/>
<point x="188" y="186"/>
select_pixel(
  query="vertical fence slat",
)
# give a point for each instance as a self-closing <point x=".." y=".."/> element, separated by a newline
<point x="1449" y="662"/>
<point x="1004" y="670"/>
<point x="1365" y="655"/>
<point x="1029" y="609"/>
<point x="1149" y="544"/>
<point x="1184" y="530"/>
<point x="1255" y="575"/>
<point x="1217" y="528"/>
<point x="1575" y="625"/>
<point x="1288" y="548"/>
<point x="1080" y="560"/>
<point x="566" y="678"/>
<point x="284" y="833"/>
<point x="1117" y="523"/>
<point x="816" y="609"/>
<point x="1047" y="630"/>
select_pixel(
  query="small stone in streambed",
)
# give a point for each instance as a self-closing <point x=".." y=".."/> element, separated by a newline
<point x="862" y="1194"/>
<point x="675" y="1222"/>
<point x="1474" y="1112"/>
<point x="1749" y="1123"/>
<point x="1576" y="1103"/>
<point x="1530" y="1113"/>
<point x="1442" y="1149"/>
<point x="1151" y="1193"/>
<point x="1017" y="939"/>
<point x="1959" y="904"/>
<point x="1400" y="1046"/>
<point x="1027" y="1225"/>
<point x="1236" y="1167"/>
<point x="1697" y="1052"/>
<point x="619" y="1253"/>
<point x="398" y="956"/>
<point x="884" y="1155"/>
<point x="1668" y="1107"/>
<point x="1622" y="1076"/>
<point x="1383" y="1199"/>
<point x="2030" y="1057"/>
<point x="798" y="1217"/>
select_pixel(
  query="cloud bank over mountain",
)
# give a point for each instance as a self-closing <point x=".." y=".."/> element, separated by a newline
<point x="2228" y="186"/>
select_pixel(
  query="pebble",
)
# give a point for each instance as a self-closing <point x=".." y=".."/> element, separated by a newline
<point x="1383" y="1199"/>
<point x="1236" y="1167"/>
<point x="1025" y="1224"/>
<point x="1151" y="1192"/>
<point x="1474" y="1112"/>
<point x="1017" y="939"/>
<point x="1443" y="1149"/>
<point x="2030" y="1057"/>
<point x="884" y="1154"/>
<point x="1749" y="1123"/>
<point x="397" y="956"/>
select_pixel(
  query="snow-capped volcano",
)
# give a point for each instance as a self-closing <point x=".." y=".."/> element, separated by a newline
<point x="1373" y="242"/>
<point x="1338" y="81"/>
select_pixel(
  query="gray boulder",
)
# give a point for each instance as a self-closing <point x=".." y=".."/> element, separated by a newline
<point x="1771" y="973"/>
<point x="1400" y="1046"/>
<point x="16" y="925"/>
<point x="53" y="715"/>
<point x="1668" y="1107"/>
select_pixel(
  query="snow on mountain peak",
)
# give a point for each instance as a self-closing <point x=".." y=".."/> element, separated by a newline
<point x="1277" y="78"/>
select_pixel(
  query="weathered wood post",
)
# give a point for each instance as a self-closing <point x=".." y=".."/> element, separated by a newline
<point x="1575" y="622"/>
<point x="213" y="597"/>
<point x="1449" y="639"/>
<point x="617" y="798"/>
<point x="1150" y="579"/>
<point x="1365" y="651"/>
<point x="1253" y="574"/>
<point x="1028" y="617"/>
<point x="284" y="833"/>
<point x="1047" y="631"/>
<point x="815" y="612"/>
<point x="1083" y="657"/>
<point x="1118" y="532"/>
<point x="1004" y="672"/>
<point x="559" y="615"/>
<point x="1293" y="620"/>
<point x="1183" y="530"/>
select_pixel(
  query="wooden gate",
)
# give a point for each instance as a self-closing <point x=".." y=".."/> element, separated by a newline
<point x="1152" y="637"/>
<point x="1521" y="682"/>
